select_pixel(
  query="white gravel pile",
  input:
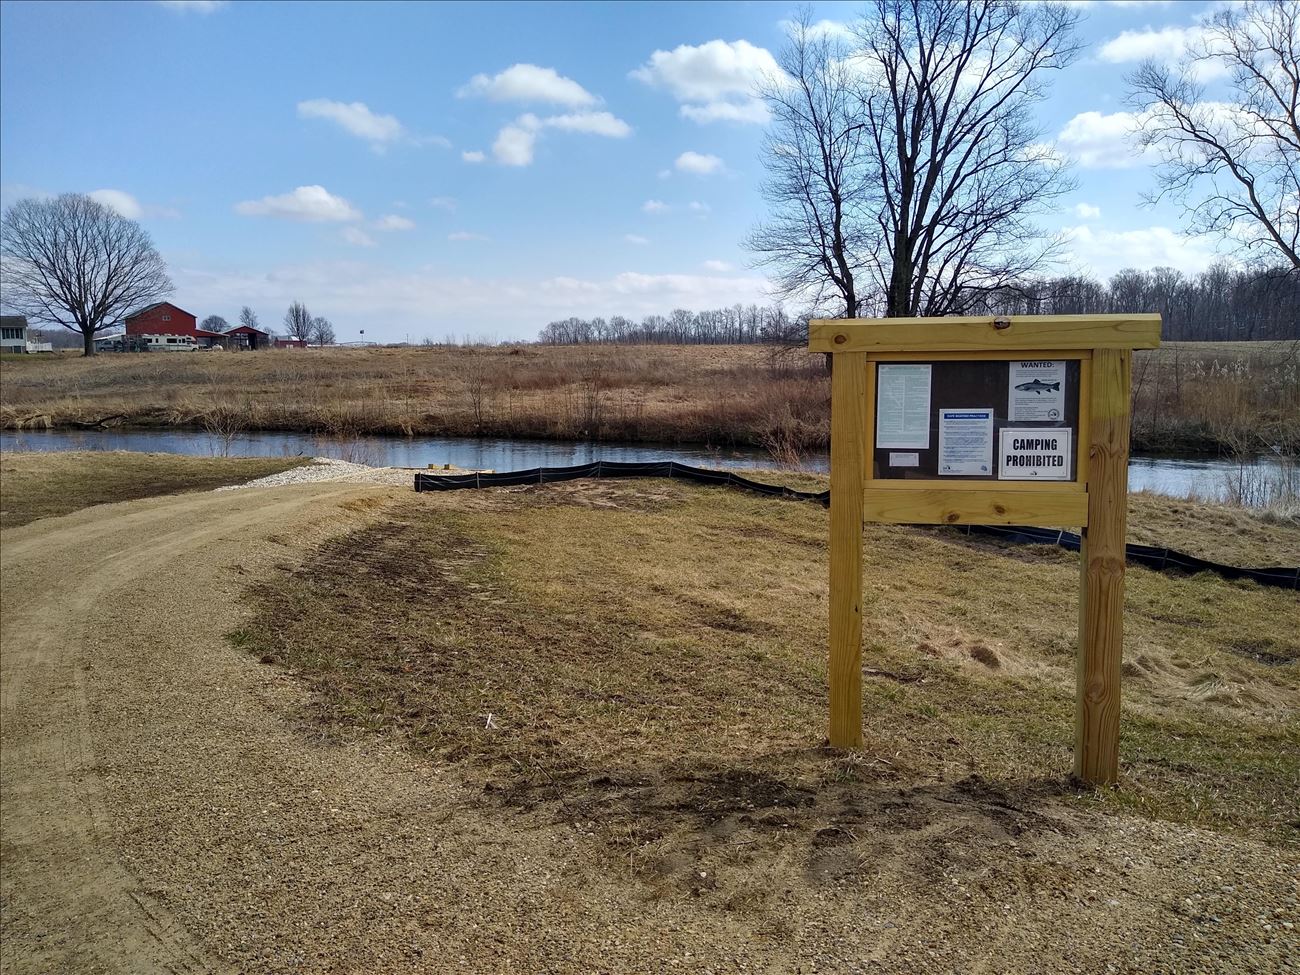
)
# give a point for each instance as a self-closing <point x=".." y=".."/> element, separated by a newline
<point x="329" y="469"/>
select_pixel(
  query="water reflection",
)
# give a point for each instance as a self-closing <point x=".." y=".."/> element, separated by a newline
<point x="1179" y="477"/>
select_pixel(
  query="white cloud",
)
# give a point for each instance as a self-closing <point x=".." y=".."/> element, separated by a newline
<point x="636" y="239"/>
<point x="665" y="174"/>
<point x="119" y="200"/>
<point x="1086" y="211"/>
<point x="690" y="288"/>
<point x="128" y="206"/>
<point x="719" y="266"/>
<point x="529" y="83"/>
<point x="392" y="222"/>
<point x="654" y="206"/>
<point x="1138" y="45"/>
<point x="514" y="145"/>
<point x="388" y="303"/>
<point x="473" y="157"/>
<point x="310" y="204"/>
<point x="823" y="28"/>
<point x="701" y="164"/>
<point x="516" y="142"/>
<point x="1103" y="252"/>
<point x="699" y="207"/>
<point x="466" y="235"/>
<point x="1167" y="45"/>
<point x="360" y="238"/>
<point x="715" y="81"/>
<point x="1098" y="141"/>
<point x="193" y="6"/>
<point x="447" y="203"/>
<point x="355" y="118"/>
<point x="751" y="111"/>
<point x="593" y="123"/>
<point x="1117" y="3"/>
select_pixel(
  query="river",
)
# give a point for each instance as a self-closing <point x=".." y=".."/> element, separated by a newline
<point x="1206" y="478"/>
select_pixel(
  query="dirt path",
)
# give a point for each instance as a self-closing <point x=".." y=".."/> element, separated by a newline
<point x="78" y="592"/>
<point x="165" y="809"/>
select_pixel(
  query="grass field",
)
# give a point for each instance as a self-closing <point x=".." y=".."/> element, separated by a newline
<point x="647" y="661"/>
<point x="1188" y="396"/>
<point x="43" y="485"/>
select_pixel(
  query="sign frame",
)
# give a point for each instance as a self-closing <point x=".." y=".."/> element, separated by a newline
<point x="1096" y="501"/>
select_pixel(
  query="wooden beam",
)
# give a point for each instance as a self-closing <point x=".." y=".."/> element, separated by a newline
<point x="1101" y="609"/>
<point x="848" y="470"/>
<point x="1064" y="507"/>
<point x="1023" y="334"/>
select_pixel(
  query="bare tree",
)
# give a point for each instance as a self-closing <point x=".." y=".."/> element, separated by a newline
<point x="298" y="322"/>
<point x="815" y="182"/>
<point x="322" y="332"/>
<point x="248" y="318"/>
<point x="909" y="160"/>
<point x="74" y="262"/>
<point x="1234" y="167"/>
<point x="214" y="323"/>
<point x="950" y="87"/>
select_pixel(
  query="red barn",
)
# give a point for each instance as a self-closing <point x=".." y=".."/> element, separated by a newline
<point x="161" y="318"/>
<point x="247" y="337"/>
<point x="163" y="325"/>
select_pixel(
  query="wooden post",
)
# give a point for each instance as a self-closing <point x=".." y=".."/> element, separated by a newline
<point x="1101" y="609"/>
<point x="848" y="464"/>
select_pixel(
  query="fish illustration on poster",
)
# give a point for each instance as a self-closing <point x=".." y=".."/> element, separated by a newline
<point x="1036" y="391"/>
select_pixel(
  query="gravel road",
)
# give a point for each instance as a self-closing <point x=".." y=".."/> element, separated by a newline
<point x="165" y="809"/>
<point x="329" y="469"/>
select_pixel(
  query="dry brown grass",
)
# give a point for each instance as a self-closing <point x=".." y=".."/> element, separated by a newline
<point x="1239" y="397"/>
<point x="647" y="661"/>
<point x="1220" y="533"/>
<point x="699" y="394"/>
<point x="44" y="485"/>
<point x="1187" y="395"/>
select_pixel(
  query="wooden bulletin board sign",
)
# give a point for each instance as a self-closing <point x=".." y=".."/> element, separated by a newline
<point x="983" y="421"/>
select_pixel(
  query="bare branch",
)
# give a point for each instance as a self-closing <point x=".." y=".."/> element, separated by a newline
<point x="910" y="160"/>
<point x="1234" y="167"/>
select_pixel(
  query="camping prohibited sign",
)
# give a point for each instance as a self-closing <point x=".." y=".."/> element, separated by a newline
<point x="1036" y="391"/>
<point x="1034" y="454"/>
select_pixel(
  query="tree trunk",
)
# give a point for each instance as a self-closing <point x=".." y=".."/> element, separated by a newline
<point x="88" y="339"/>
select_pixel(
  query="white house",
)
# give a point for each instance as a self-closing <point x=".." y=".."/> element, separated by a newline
<point x="13" y="333"/>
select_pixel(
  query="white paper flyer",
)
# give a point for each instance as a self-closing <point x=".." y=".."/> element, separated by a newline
<point x="903" y="406"/>
<point x="966" y="442"/>
<point x="1036" y="392"/>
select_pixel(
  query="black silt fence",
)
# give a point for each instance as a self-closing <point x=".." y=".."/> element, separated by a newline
<point x="1161" y="559"/>
<point x="609" y="468"/>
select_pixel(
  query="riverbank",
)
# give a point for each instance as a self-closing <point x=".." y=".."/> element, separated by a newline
<point x="45" y="485"/>
<point x="1195" y="397"/>
<point x="1263" y="482"/>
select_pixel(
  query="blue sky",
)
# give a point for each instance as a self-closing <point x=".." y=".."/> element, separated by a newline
<point x="479" y="169"/>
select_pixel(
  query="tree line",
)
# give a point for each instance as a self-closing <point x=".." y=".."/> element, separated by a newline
<point x="736" y="325"/>
<point x="1219" y="304"/>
